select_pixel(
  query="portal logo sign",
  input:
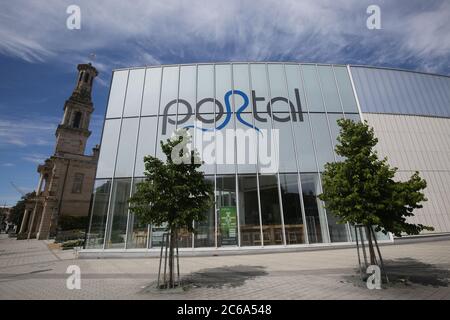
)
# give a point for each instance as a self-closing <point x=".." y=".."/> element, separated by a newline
<point x="223" y="115"/>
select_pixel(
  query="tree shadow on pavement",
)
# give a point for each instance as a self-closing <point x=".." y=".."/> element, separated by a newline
<point x="233" y="276"/>
<point x="409" y="270"/>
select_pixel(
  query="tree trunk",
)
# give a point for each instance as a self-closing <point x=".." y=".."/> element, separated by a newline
<point x="171" y="258"/>
<point x="371" y="249"/>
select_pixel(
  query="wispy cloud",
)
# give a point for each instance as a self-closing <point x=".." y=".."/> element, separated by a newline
<point x="8" y="164"/>
<point x="36" y="158"/>
<point x="24" y="132"/>
<point x="153" y="32"/>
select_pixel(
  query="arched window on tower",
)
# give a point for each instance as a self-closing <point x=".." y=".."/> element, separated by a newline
<point x="77" y="120"/>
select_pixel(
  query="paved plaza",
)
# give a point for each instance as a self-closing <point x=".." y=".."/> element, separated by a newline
<point x="32" y="269"/>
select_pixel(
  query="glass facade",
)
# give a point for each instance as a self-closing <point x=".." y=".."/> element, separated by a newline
<point x="268" y="129"/>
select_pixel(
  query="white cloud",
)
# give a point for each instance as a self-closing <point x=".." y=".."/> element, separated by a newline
<point x="8" y="164"/>
<point x="36" y="158"/>
<point x="151" y="32"/>
<point x="24" y="132"/>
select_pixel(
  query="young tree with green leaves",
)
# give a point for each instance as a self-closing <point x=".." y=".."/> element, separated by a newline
<point x="362" y="190"/>
<point x="174" y="192"/>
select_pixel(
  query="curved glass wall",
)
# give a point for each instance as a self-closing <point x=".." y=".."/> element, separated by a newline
<point x="264" y="130"/>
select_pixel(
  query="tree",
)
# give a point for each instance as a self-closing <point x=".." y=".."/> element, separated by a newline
<point x="362" y="190"/>
<point x="18" y="210"/>
<point x="174" y="193"/>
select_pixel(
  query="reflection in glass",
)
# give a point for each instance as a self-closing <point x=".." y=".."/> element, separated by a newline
<point x="329" y="89"/>
<point x="127" y="147"/>
<point x="137" y="235"/>
<point x="345" y="89"/>
<point x="335" y="130"/>
<point x="322" y="139"/>
<point x="99" y="209"/>
<point x="226" y="211"/>
<point x="293" y="220"/>
<point x="110" y="137"/>
<point x="188" y="76"/>
<point x="117" y="94"/>
<point x="246" y="140"/>
<point x="304" y="144"/>
<point x="286" y="151"/>
<point x="312" y="88"/>
<point x="118" y="213"/>
<point x="270" y="210"/>
<point x="150" y="101"/>
<point x="314" y="211"/>
<point x="146" y="143"/>
<point x="134" y="93"/>
<point x="169" y="92"/>
<point x="206" y="230"/>
<point x="249" y="223"/>
<point x="225" y="144"/>
<point x="338" y="232"/>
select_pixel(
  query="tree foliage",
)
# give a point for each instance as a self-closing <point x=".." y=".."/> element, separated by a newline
<point x="362" y="189"/>
<point x="174" y="192"/>
<point x="18" y="210"/>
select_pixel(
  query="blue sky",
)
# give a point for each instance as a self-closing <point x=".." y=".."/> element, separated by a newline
<point x="38" y="54"/>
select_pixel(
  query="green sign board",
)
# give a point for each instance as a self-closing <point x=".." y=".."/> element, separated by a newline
<point x="228" y="225"/>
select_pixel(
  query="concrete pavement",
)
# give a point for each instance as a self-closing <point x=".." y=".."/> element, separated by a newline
<point x="29" y="269"/>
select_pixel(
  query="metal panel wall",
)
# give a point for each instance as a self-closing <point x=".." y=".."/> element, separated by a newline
<point x="419" y="143"/>
<point x="402" y="92"/>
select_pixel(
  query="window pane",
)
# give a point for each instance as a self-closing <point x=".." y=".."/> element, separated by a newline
<point x="338" y="232"/>
<point x="335" y="129"/>
<point x="138" y="233"/>
<point x="134" y="93"/>
<point x="304" y="144"/>
<point x="312" y="87"/>
<point x="118" y="213"/>
<point x="117" y="94"/>
<point x="278" y="94"/>
<point x="248" y="212"/>
<point x="146" y="143"/>
<point x="105" y="167"/>
<point x="205" y="89"/>
<point x="246" y="140"/>
<point x="260" y="89"/>
<point x="270" y="210"/>
<point x="314" y="212"/>
<point x="169" y="91"/>
<point x="286" y="158"/>
<point x="187" y="90"/>
<point x="100" y="200"/>
<point x="324" y="149"/>
<point x="206" y="230"/>
<point x="150" y="102"/>
<point x="293" y="221"/>
<point x="345" y="89"/>
<point x="225" y="144"/>
<point x="241" y="83"/>
<point x="268" y="146"/>
<point x="295" y="88"/>
<point x="167" y="126"/>
<point x="226" y="210"/>
<point x="127" y="147"/>
<point x="329" y="89"/>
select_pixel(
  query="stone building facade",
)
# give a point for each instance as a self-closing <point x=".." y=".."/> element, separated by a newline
<point x="67" y="177"/>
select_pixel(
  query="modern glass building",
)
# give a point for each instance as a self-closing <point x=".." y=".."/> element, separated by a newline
<point x="266" y="183"/>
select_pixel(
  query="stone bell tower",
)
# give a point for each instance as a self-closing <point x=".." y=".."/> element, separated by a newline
<point x="73" y="132"/>
<point x="67" y="177"/>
